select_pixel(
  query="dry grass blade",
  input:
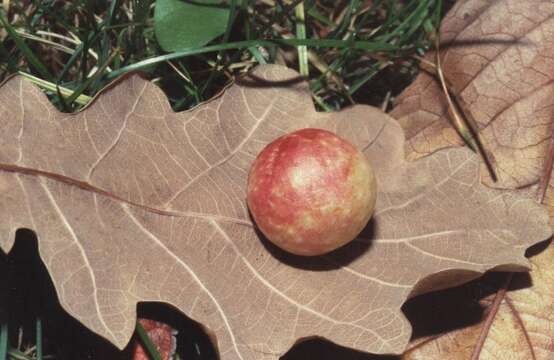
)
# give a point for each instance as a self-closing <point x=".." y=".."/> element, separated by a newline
<point x="522" y="324"/>
<point x="318" y="63"/>
<point x="546" y="172"/>
<point x="301" y="34"/>
<point x="463" y="126"/>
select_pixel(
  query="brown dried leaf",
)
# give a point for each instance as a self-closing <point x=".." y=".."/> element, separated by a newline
<point x="506" y="88"/>
<point x="498" y="57"/>
<point x="522" y="328"/>
<point x="132" y="202"/>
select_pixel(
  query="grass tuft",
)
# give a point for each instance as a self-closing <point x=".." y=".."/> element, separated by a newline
<point x="352" y="51"/>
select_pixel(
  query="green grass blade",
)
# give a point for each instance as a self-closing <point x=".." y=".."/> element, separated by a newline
<point x="7" y="59"/>
<point x="301" y="34"/>
<point x="26" y="50"/>
<point x="322" y="103"/>
<point x="437" y="15"/>
<point x="79" y="91"/>
<point x="69" y="63"/>
<point x="361" y="81"/>
<point x="368" y="15"/>
<point x="312" y="11"/>
<point x="346" y="45"/>
<point x="230" y="20"/>
<point x="3" y="341"/>
<point x="257" y="55"/>
<point x="362" y="45"/>
<point x="145" y="339"/>
<point x="65" y="92"/>
<point x="421" y="6"/>
<point x="342" y="29"/>
<point x="38" y="329"/>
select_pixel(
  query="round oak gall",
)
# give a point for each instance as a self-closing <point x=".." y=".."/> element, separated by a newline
<point x="311" y="192"/>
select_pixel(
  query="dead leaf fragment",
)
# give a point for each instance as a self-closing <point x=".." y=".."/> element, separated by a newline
<point x="522" y="328"/>
<point x="506" y="87"/>
<point x="499" y="58"/>
<point x="133" y="202"/>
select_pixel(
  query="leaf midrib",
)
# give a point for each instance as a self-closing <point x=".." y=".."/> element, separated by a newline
<point x="85" y="186"/>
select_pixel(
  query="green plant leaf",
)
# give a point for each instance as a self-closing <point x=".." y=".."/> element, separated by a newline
<point x="181" y="24"/>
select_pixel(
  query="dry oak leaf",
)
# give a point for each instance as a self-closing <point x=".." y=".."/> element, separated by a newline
<point x="133" y="202"/>
<point x="507" y="89"/>
<point x="498" y="56"/>
<point x="522" y="328"/>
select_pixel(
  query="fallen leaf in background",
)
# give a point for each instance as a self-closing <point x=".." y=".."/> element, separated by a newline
<point x="498" y="56"/>
<point x="133" y="202"/>
<point x="522" y="328"/>
<point x="506" y="87"/>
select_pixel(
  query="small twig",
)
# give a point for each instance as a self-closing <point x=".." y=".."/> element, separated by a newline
<point x="490" y="317"/>
<point x="75" y="41"/>
<point x="179" y="72"/>
<point x="423" y="60"/>
<point x="341" y="15"/>
<point x="519" y="320"/>
<point x="30" y="350"/>
<point x="45" y="41"/>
